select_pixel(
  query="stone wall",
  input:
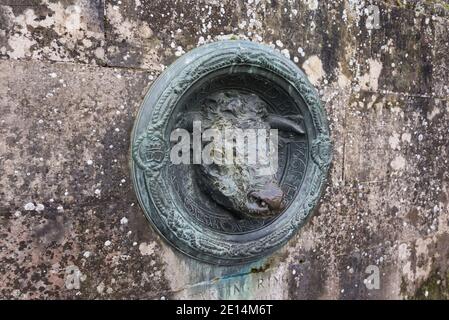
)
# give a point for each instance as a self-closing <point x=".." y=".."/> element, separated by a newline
<point x="73" y="74"/>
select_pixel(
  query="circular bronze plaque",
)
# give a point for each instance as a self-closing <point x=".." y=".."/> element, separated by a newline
<point x="210" y="212"/>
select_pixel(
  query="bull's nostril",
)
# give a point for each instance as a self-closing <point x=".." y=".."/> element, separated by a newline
<point x="273" y="203"/>
<point x="269" y="197"/>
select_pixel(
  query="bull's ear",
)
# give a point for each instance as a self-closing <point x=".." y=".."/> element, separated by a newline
<point x="185" y="120"/>
<point x="292" y="124"/>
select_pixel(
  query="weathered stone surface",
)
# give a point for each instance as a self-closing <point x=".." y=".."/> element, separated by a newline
<point x="440" y="60"/>
<point x="68" y="215"/>
<point x="432" y="7"/>
<point x="65" y="150"/>
<point x="384" y="131"/>
<point x="399" y="53"/>
<point x="71" y="30"/>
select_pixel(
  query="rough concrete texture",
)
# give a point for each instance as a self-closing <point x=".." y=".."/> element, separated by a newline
<point x="72" y="76"/>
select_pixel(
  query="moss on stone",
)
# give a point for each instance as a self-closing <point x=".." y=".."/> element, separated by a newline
<point x="435" y="287"/>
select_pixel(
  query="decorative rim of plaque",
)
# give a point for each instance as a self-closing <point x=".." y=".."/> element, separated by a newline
<point x="150" y="154"/>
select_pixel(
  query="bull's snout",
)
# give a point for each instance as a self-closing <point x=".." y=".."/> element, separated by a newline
<point x="268" y="201"/>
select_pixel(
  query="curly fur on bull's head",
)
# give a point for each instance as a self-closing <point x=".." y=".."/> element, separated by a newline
<point x="240" y="187"/>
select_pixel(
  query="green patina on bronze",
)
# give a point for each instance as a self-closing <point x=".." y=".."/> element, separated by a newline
<point x="184" y="215"/>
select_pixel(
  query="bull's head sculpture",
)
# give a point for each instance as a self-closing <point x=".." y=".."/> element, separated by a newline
<point x="239" y="187"/>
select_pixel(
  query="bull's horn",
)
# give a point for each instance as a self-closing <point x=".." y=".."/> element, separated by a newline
<point x="286" y="124"/>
